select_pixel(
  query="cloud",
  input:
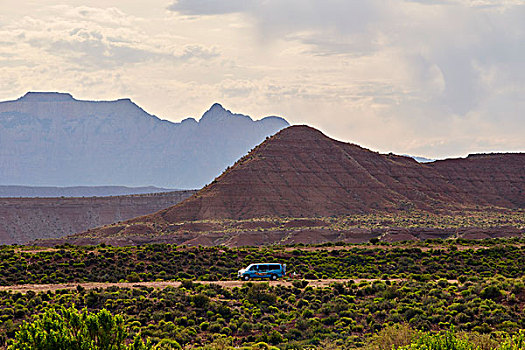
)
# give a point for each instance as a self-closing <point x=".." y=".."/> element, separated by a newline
<point x="237" y="88"/>
<point x="94" y="38"/>
<point x="197" y="52"/>
<point x="453" y="71"/>
<point x="427" y="77"/>
<point x="451" y="59"/>
<point x="104" y="16"/>
<point x="211" y="7"/>
<point x="276" y="18"/>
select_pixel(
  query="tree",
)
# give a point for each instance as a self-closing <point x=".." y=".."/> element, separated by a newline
<point x="69" y="329"/>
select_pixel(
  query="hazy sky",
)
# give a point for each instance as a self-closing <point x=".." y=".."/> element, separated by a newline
<point x="423" y="77"/>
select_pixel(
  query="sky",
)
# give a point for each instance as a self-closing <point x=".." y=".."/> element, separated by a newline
<point x="422" y="77"/>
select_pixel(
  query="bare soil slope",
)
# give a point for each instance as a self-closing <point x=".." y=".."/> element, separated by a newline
<point x="497" y="179"/>
<point x="302" y="173"/>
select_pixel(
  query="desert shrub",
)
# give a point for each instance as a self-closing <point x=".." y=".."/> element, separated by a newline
<point x="491" y="292"/>
<point x="259" y="292"/>
<point x="482" y="341"/>
<point x="392" y="337"/>
<point x="133" y="277"/>
<point x="201" y="300"/>
<point x="442" y="341"/>
<point x="275" y="337"/>
<point x="514" y="342"/>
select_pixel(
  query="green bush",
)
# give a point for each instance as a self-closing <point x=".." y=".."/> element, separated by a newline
<point x="450" y="340"/>
<point x="68" y="329"/>
<point x="167" y="344"/>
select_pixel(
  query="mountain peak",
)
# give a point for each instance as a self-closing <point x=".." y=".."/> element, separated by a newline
<point x="300" y="172"/>
<point x="300" y="132"/>
<point x="218" y="113"/>
<point x="217" y="107"/>
<point x="33" y="96"/>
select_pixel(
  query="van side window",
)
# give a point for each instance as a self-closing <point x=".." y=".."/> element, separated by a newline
<point x="263" y="267"/>
<point x="275" y="267"/>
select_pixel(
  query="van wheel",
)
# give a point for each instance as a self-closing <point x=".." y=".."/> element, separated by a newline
<point x="274" y="277"/>
<point x="246" y="278"/>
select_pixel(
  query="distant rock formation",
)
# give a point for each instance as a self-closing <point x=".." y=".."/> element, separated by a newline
<point x="27" y="219"/>
<point x="52" y="139"/>
<point x="76" y="191"/>
<point x="301" y="173"/>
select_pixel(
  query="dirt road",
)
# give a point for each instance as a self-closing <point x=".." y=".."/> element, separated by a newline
<point x="24" y="288"/>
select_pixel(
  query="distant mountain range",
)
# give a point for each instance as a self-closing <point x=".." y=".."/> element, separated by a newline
<point x="301" y="173"/>
<point x="76" y="191"/>
<point x="420" y="159"/>
<point x="52" y="139"/>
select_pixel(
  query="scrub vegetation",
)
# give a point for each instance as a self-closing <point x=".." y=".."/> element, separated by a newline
<point x="431" y="259"/>
<point x="420" y="295"/>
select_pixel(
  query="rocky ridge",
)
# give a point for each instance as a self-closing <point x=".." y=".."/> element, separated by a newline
<point x="301" y="173"/>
